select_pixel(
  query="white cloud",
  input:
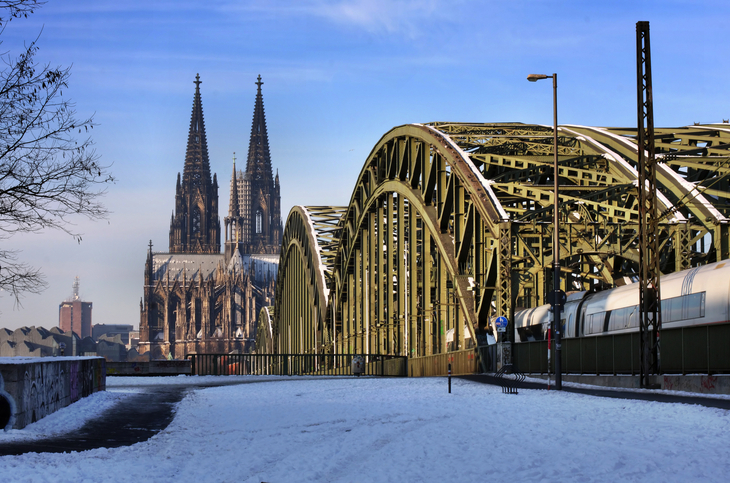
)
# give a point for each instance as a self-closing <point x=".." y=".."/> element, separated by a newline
<point x="404" y="17"/>
<point x="407" y="18"/>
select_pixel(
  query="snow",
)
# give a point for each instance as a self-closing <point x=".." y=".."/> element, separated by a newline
<point x="318" y="249"/>
<point x="36" y="360"/>
<point x="486" y="183"/>
<point x="394" y="429"/>
<point x="687" y="186"/>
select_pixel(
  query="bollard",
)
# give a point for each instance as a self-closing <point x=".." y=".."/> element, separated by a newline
<point x="449" y="378"/>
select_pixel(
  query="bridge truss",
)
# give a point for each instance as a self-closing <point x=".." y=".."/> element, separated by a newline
<point x="450" y="225"/>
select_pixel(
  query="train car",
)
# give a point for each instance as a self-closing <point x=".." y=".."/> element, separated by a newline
<point x="698" y="296"/>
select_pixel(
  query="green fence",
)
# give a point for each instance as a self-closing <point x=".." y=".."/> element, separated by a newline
<point x="702" y="350"/>
<point x="295" y="364"/>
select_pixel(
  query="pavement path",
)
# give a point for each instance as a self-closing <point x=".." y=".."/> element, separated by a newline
<point x="613" y="392"/>
<point x="136" y="419"/>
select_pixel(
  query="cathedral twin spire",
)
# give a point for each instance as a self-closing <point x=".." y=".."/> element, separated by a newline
<point x="197" y="166"/>
<point x="258" y="165"/>
<point x="253" y="224"/>
<point x="195" y="226"/>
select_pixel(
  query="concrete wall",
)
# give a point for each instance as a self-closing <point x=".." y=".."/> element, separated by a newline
<point x="40" y="386"/>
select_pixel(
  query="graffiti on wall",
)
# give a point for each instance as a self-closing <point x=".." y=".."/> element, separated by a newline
<point x="50" y="386"/>
<point x="43" y="390"/>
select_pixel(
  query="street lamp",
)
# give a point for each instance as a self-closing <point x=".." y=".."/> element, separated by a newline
<point x="557" y="299"/>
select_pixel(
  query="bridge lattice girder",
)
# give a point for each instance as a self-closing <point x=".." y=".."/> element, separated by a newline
<point x="308" y="251"/>
<point x="450" y="224"/>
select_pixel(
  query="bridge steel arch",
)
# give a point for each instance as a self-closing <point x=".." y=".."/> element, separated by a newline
<point x="265" y="331"/>
<point x="302" y="284"/>
<point x="417" y="263"/>
<point x="450" y="224"/>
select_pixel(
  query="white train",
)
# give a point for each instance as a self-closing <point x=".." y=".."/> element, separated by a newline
<point x="698" y="296"/>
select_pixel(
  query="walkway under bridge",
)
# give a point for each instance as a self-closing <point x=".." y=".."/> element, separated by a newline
<point x="450" y="225"/>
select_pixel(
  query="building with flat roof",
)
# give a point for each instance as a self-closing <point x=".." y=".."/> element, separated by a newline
<point x="75" y="315"/>
<point x="111" y="330"/>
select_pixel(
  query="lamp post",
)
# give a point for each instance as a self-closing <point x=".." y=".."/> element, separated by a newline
<point x="557" y="299"/>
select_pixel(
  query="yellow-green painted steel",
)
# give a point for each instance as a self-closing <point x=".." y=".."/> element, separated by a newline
<point x="450" y="224"/>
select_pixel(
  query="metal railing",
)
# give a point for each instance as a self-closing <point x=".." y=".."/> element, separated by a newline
<point x="686" y="350"/>
<point x="296" y="364"/>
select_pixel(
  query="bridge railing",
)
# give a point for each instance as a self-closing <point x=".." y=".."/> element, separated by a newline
<point x="685" y="350"/>
<point x="462" y="362"/>
<point x="295" y="364"/>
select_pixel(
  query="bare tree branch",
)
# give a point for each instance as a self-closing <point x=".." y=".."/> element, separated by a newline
<point x="47" y="175"/>
<point x="17" y="9"/>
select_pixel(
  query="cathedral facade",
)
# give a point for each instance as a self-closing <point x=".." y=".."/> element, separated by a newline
<point x="197" y="299"/>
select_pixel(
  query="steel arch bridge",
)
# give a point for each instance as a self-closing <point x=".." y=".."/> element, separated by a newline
<point x="450" y="225"/>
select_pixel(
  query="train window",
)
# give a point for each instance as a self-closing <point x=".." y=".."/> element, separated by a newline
<point x="571" y="328"/>
<point x="695" y="305"/>
<point x="619" y="318"/>
<point x="676" y="308"/>
<point x="633" y="318"/>
<point x="672" y="309"/>
<point x="589" y="324"/>
<point x="595" y="322"/>
<point x="702" y="305"/>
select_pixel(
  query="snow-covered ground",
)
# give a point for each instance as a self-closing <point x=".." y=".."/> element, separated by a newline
<point x="401" y="430"/>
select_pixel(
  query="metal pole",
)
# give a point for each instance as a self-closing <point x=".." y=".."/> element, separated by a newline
<point x="557" y="296"/>
<point x="556" y="241"/>
<point x="650" y="314"/>
<point x="449" y="378"/>
<point x="550" y="343"/>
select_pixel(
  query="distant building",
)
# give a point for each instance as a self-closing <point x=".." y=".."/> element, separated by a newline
<point x="41" y="342"/>
<point x="111" y="348"/>
<point x="75" y="315"/>
<point x="133" y="340"/>
<point x="111" y="330"/>
<point x="38" y="342"/>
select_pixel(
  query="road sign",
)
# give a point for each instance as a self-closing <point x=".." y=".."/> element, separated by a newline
<point x="501" y="324"/>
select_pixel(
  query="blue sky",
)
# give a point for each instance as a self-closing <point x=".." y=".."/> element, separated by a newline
<point x="337" y="76"/>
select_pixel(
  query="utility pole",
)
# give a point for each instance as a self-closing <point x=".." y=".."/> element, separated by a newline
<point x="557" y="296"/>
<point x="650" y="317"/>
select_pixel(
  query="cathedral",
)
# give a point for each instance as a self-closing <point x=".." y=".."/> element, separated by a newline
<point x="197" y="299"/>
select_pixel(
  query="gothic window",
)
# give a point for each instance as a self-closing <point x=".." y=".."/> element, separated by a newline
<point x="154" y="316"/>
<point x="198" y="317"/>
<point x="259" y="228"/>
<point x="196" y="220"/>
